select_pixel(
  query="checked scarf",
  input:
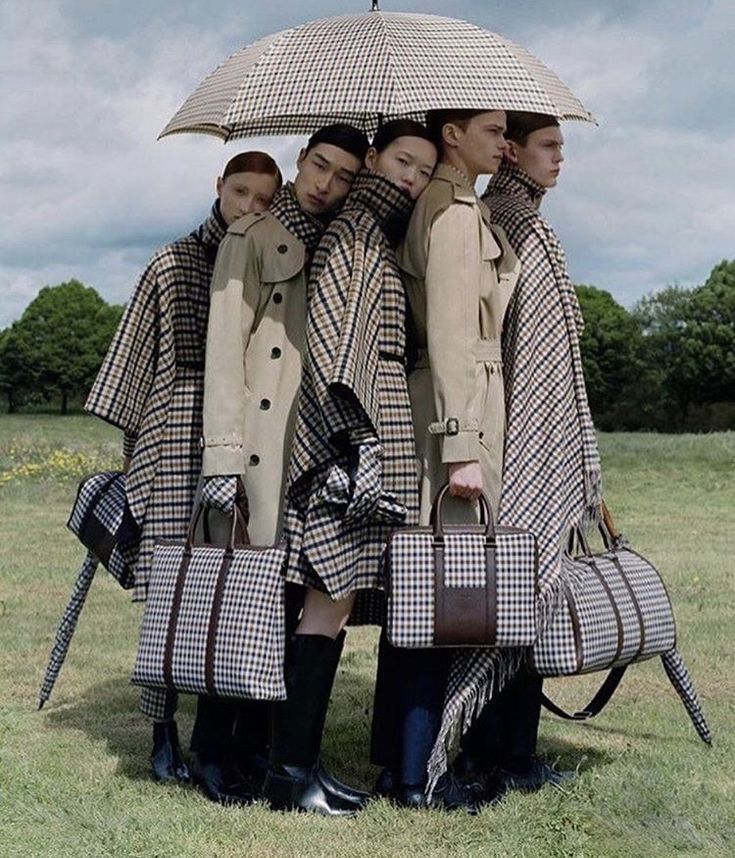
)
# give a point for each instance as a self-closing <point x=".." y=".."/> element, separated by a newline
<point x="551" y="467"/>
<point x="286" y="209"/>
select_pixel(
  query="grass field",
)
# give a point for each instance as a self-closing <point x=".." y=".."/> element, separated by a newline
<point x="74" y="777"/>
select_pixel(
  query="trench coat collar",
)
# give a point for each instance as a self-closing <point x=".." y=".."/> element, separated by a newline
<point x="387" y="203"/>
<point x="287" y="211"/>
<point x="210" y="233"/>
<point x="512" y="181"/>
<point x="464" y="190"/>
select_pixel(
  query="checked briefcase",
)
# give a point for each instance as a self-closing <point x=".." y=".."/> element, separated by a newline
<point x="214" y="620"/>
<point x="461" y="584"/>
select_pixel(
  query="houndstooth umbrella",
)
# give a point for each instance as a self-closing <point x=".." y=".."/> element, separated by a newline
<point x="365" y="68"/>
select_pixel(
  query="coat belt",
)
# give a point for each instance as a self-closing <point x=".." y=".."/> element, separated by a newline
<point x="485" y="351"/>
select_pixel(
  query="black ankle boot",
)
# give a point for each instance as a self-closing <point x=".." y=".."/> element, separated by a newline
<point x="292" y="781"/>
<point x="167" y="762"/>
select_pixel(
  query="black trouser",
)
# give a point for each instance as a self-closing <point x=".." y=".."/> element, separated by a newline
<point x="409" y="698"/>
<point x="506" y="732"/>
<point x="220" y="721"/>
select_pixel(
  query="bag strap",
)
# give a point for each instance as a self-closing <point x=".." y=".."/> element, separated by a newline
<point x="598" y="702"/>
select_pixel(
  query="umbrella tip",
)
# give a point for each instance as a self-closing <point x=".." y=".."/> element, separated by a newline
<point x="376" y="6"/>
<point x="40" y="705"/>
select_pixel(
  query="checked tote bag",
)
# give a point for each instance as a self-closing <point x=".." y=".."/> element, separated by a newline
<point x="461" y="584"/>
<point x="214" y="620"/>
<point x="618" y="612"/>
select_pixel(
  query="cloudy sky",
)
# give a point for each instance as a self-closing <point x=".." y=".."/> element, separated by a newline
<point x="646" y="199"/>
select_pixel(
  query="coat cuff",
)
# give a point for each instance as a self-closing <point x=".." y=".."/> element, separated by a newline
<point x="223" y="459"/>
<point x="462" y="447"/>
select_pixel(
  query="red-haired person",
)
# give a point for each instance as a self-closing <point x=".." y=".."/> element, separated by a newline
<point x="151" y="385"/>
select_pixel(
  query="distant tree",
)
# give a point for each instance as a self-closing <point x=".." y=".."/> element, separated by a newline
<point x="58" y="344"/>
<point x="708" y="343"/>
<point x="15" y="375"/>
<point x="610" y="348"/>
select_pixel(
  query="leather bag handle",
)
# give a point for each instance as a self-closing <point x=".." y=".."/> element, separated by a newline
<point x="486" y="514"/>
<point x="598" y="702"/>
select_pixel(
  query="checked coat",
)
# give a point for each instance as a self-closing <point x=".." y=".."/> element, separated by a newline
<point x="551" y="469"/>
<point x="151" y="385"/>
<point x="254" y="343"/>
<point x="353" y="389"/>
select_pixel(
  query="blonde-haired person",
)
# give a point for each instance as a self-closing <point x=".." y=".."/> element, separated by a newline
<point x="151" y="385"/>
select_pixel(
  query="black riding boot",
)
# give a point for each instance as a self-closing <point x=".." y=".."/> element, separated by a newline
<point x="167" y="762"/>
<point x="213" y="767"/>
<point x="292" y="780"/>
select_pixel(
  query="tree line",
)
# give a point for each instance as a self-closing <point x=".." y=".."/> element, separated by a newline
<point x="668" y="364"/>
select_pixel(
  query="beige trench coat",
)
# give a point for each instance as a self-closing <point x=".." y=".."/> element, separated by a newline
<point x="252" y="373"/>
<point x="459" y="276"/>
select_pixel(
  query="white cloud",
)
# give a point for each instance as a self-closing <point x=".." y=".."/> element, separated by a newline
<point x="88" y="192"/>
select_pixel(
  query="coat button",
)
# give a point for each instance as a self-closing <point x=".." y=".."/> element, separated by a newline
<point x="282" y="248"/>
<point x="265" y="404"/>
<point x="254" y="459"/>
<point x="482" y="434"/>
<point x="277" y="297"/>
<point x="275" y="352"/>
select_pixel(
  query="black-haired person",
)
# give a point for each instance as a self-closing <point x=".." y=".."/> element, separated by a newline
<point x="151" y="386"/>
<point x="253" y="371"/>
<point x="541" y="352"/>
<point x="352" y="475"/>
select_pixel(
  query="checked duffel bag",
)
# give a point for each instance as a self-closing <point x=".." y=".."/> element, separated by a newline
<point x="214" y="620"/>
<point x="461" y="584"/>
<point x="616" y="612"/>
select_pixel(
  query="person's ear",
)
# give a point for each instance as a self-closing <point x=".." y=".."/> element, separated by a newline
<point x="450" y="136"/>
<point x="300" y="159"/>
<point x="511" y="151"/>
<point x="371" y="157"/>
<point x="220" y="185"/>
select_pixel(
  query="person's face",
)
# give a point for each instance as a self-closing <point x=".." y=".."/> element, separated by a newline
<point x="408" y="162"/>
<point x="325" y="176"/>
<point x="243" y="193"/>
<point x="481" y="144"/>
<point x="541" y="156"/>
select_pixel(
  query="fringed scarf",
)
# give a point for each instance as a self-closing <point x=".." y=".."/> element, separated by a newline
<point x="551" y="468"/>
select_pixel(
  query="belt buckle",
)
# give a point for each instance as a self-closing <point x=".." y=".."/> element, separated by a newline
<point x="451" y="426"/>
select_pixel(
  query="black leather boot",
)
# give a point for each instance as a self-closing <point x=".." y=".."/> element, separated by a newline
<point x="328" y="781"/>
<point x="167" y="762"/>
<point x="292" y="781"/>
<point x="214" y="766"/>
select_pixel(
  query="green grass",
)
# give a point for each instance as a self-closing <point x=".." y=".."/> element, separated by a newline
<point x="74" y="781"/>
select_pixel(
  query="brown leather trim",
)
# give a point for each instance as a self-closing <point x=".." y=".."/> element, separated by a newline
<point x="219" y="590"/>
<point x="173" y="620"/>
<point x="576" y="631"/>
<point x="637" y="607"/>
<point x="491" y="592"/>
<point x="610" y="596"/>
<point x="464" y="616"/>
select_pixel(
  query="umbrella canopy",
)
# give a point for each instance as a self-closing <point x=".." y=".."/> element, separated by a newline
<point x="366" y="68"/>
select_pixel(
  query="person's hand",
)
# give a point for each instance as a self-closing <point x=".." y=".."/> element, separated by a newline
<point x="465" y="480"/>
<point x="220" y="493"/>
